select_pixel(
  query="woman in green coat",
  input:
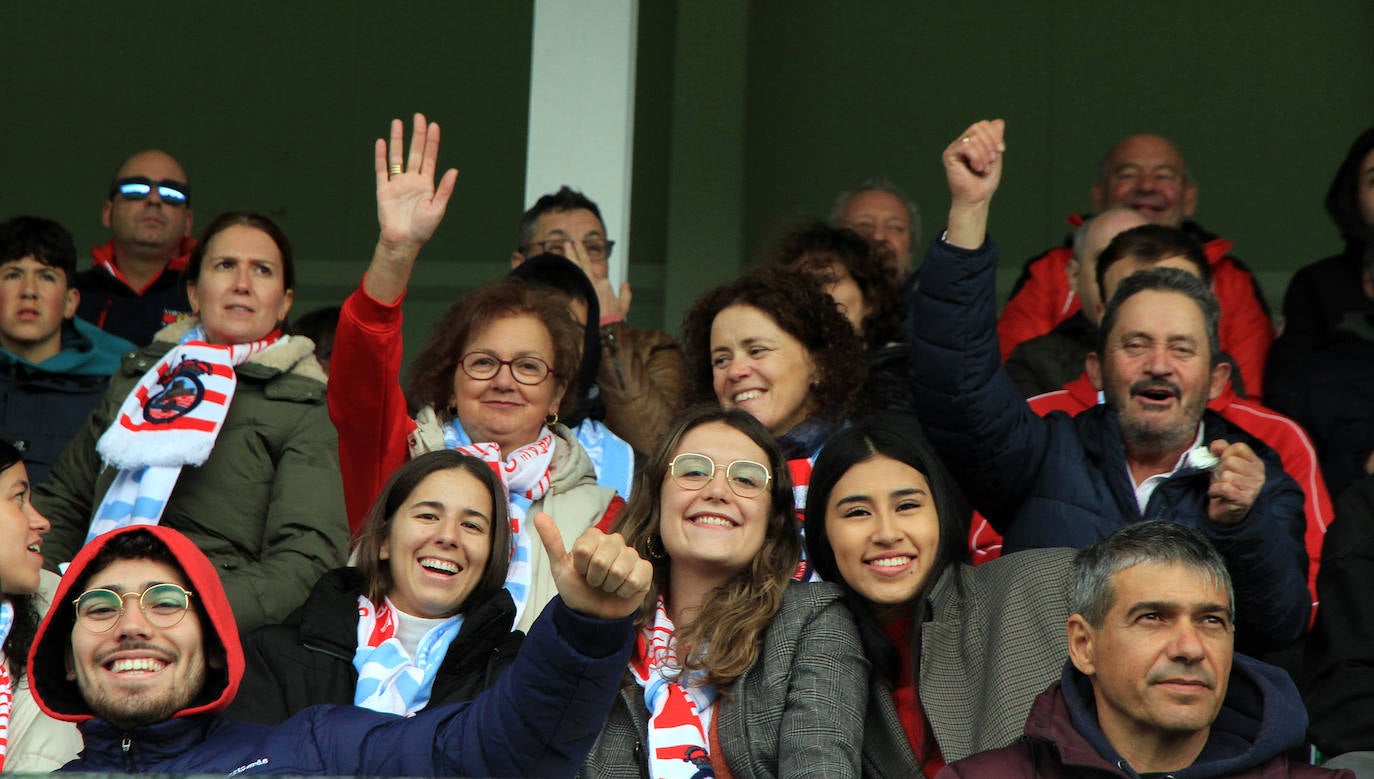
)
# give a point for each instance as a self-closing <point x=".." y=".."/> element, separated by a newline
<point x="218" y="429"/>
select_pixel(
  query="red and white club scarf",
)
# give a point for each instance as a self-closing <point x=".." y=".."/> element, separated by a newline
<point x="6" y="681"/>
<point x="678" y="713"/>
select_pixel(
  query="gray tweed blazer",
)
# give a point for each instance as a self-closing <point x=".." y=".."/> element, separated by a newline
<point x="798" y="712"/>
<point x="995" y="640"/>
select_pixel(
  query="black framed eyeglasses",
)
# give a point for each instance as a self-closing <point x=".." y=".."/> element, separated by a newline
<point x="163" y="605"/>
<point x="171" y="192"/>
<point x="597" y="248"/>
<point x="527" y="369"/>
<point x="746" y="478"/>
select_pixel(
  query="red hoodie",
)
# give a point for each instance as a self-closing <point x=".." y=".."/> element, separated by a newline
<point x="61" y="698"/>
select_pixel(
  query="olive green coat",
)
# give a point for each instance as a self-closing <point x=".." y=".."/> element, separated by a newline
<point x="266" y="508"/>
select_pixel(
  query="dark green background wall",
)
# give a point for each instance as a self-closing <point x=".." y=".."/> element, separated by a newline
<point x="273" y="107"/>
<point x="749" y="114"/>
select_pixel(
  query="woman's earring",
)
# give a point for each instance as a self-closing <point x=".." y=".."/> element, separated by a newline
<point x="551" y="419"/>
<point x="654" y="548"/>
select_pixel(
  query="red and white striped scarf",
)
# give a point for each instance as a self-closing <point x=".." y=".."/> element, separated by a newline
<point x="171" y="419"/>
<point x="6" y="681"/>
<point x="678" y="713"/>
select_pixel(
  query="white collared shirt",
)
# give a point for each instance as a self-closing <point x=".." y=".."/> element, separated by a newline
<point x="1146" y="488"/>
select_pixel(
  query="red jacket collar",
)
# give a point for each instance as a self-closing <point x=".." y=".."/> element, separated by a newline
<point x="103" y="257"/>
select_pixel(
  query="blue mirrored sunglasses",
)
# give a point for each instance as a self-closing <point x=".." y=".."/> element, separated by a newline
<point x="173" y="193"/>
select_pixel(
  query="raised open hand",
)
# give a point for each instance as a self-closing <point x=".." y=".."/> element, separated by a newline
<point x="601" y="577"/>
<point x="409" y="205"/>
<point x="612" y="306"/>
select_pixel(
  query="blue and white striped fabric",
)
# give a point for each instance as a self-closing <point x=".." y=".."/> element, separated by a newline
<point x="389" y="679"/>
<point x="612" y="457"/>
<point x="526" y="477"/>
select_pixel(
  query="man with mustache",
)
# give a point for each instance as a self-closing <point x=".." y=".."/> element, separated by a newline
<point x="135" y="287"/>
<point x="1151" y="451"/>
<point x="1155" y="246"/>
<point x="1149" y="175"/>
<point x="1152" y="685"/>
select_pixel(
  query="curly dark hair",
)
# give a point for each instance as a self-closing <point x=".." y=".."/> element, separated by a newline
<point x="796" y="304"/>
<point x="431" y="377"/>
<point x="815" y="247"/>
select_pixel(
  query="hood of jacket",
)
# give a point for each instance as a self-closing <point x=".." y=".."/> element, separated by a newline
<point x="571" y="465"/>
<point x="59" y="696"/>
<point x="1261" y="718"/>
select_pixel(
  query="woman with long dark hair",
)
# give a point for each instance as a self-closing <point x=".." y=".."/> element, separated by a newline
<point x="30" y="741"/>
<point x="958" y="653"/>
<point x="422" y="620"/>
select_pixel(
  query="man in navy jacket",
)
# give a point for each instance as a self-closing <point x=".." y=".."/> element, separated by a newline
<point x="145" y="672"/>
<point x="1152" y="451"/>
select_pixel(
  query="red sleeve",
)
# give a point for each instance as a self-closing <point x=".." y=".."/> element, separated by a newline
<point x="1246" y="331"/>
<point x="366" y="403"/>
<point x="1042" y="299"/>
<point x="612" y="513"/>
<point x="1299" y="458"/>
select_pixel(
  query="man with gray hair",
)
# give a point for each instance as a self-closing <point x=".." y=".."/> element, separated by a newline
<point x="876" y="209"/>
<point x="1152" y="451"/>
<point x="1153" y="684"/>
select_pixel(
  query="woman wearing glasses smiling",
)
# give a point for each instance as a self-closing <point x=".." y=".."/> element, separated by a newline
<point x="491" y="381"/>
<point x="735" y="668"/>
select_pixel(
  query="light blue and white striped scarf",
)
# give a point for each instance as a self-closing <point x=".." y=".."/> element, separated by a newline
<point x="526" y="475"/>
<point x="389" y="679"/>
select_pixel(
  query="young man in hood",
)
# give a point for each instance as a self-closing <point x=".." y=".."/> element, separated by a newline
<point x="141" y="650"/>
<point x="1152" y="685"/>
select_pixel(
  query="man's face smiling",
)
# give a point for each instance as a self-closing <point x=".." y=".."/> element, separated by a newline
<point x="1161" y="659"/>
<point x="136" y="673"/>
<point x="1147" y="173"/>
<point x="1157" y="371"/>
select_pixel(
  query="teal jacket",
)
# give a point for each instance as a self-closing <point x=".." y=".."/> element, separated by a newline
<point x="266" y="508"/>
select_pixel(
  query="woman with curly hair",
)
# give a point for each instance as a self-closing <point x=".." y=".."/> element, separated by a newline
<point x="737" y="671"/>
<point x="492" y="381"/>
<point x="773" y="344"/>
<point x="30" y="741"/>
<point x="852" y="272"/>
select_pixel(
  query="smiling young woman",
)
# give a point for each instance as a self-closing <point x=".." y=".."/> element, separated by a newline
<point x="425" y="604"/>
<point x="958" y="653"/>
<point x="34" y="742"/>
<point x="773" y="670"/>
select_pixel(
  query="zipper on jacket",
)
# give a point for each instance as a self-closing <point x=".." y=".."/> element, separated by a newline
<point x="641" y="759"/>
<point x="327" y="651"/>
<point x="126" y="746"/>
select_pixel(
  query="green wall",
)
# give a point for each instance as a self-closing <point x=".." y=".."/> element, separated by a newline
<point x="749" y="115"/>
<point x="273" y="107"/>
<point x="1263" y="98"/>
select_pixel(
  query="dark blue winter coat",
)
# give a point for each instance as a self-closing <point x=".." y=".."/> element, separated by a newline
<point x="1063" y="481"/>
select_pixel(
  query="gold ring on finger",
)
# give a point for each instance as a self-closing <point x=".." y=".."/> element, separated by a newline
<point x="395" y="170"/>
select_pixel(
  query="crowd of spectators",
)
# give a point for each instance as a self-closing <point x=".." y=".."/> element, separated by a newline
<point x="850" y="520"/>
